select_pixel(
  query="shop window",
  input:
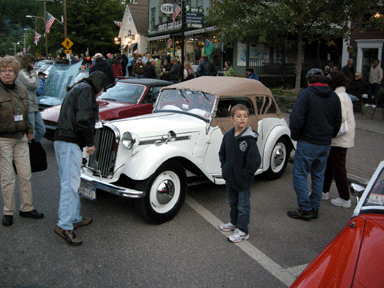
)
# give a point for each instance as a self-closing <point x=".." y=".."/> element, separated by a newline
<point x="225" y="105"/>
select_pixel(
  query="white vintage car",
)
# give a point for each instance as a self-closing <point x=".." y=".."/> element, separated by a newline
<point x="154" y="157"/>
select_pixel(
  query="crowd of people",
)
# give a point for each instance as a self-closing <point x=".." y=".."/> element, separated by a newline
<point x="323" y="135"/>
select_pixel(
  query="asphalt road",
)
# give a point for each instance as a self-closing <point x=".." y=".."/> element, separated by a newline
<point x="122" y="250"/>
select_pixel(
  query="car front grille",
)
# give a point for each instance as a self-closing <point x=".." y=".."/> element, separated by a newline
<point x="102" y="162"/>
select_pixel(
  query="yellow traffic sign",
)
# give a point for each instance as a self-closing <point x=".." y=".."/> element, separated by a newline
<point x="67" y="43"/>
<point x="68" y="51"/>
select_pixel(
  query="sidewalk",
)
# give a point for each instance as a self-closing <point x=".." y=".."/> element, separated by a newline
<point x="363" y="159"/>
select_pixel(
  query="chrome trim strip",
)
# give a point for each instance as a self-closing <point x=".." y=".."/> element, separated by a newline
<point x="147" y="142"/>
<point x="110" y="188"/>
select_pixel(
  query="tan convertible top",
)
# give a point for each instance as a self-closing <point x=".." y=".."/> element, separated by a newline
<point x="224" y="86"/>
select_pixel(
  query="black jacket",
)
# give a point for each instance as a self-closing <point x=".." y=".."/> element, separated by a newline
<point x="174" y="73"/>
<point x="103" y="66"/>
<point x="79" y="111"/>
<point x="316" y="116"/>
<point x="239" y="158"/>
<point x="150" y="71"/>
<point x="206" y="68"/>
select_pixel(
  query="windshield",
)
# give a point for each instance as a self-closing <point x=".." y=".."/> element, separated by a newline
<point x="124" y="92"/>
<point x="191" y="102"/>
<point x="376" y="195"/>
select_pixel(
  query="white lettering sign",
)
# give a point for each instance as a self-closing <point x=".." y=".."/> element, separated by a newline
<point x="167" y="8"/>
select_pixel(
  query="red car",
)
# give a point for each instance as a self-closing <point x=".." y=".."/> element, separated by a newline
<point x="127" y="98"/>
<point x="355" y="258"/>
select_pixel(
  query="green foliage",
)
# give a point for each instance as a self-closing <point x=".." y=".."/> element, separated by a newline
<point x="284" y="22"/>
<point x="89" y="25"/>
<point x="281" y="91"/>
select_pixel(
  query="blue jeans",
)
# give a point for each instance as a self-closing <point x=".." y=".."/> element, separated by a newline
<point x="38" y="125"/>
<point x="239" y="202"/>
<point x="309" y="158"/>
<point x="139" y="76"/>
<point x="68" y="157"/>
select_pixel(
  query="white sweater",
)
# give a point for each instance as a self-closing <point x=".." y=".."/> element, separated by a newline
<point x="346" y="140"/>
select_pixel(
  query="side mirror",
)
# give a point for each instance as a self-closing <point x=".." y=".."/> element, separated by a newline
<point x="356" y="190"/>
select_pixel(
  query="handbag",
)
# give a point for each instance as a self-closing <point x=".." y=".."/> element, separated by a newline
<point x="38" y="156"/>
<point x="343" y="128"/>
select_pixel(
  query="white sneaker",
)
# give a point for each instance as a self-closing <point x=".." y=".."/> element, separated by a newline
<point x="373" y="106"/>
<point x="227" y="227"/>
<point x="341" y="202"/>
<point x="324" y="196"/>
<point x="367" y="105"/>
<point x="238" y="236"/>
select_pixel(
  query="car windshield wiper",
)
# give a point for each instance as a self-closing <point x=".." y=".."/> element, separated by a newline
<point x="109" y="99"/>
<point x="206" y="97"/>
<point x="181" y="93"/>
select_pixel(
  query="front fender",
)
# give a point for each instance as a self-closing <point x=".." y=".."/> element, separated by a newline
<point x="145" y="162"/>
<point x="273" y="136"/>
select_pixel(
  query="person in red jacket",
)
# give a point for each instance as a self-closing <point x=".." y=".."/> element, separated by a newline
<point x="117" y="67"/>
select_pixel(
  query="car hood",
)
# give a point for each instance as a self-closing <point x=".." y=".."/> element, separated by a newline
<point x="108" y="110"/>
<point x="159" y="124"/>
<point x="55" y="89"/>
<point x="355" y="258"/>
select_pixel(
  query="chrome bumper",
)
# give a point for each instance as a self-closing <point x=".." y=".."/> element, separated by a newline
<point x="110" y="188"/>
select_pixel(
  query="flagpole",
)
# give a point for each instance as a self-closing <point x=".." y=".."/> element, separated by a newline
<point x="45" y="19"/>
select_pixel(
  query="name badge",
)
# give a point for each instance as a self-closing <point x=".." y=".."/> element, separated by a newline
<point x="98" y="125"/>
<point x="18" y="117"/>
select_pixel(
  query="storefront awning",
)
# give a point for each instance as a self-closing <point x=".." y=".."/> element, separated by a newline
<point x="159" y="37"/>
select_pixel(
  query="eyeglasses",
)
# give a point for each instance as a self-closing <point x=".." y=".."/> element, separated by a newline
<point x="9" y="71"/>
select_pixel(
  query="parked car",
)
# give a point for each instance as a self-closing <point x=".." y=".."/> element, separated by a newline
<point x="355" y="257"/>
<point x="60" y="76"/>
<point x="127" y="98"/>
<point x="152" y="158"/>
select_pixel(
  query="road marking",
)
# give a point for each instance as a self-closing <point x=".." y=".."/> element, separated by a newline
<point x="287" y="275"/>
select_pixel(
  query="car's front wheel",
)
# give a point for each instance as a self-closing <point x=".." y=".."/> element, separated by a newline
<point x="278" y="159"/>
<point x="165" y="193"/>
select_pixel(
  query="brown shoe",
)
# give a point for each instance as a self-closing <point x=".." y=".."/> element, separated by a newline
<point x="83" y="222"/>
<point x="68" y="236"/>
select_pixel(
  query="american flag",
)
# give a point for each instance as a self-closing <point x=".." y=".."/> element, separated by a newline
<point x="37" y="38"/>
<point x="118" y="23"/>
<point x="49" y="23"/>
<point x="176" y="12"/>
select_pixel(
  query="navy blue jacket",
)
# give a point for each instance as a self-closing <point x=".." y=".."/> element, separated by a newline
<point x="239" y="159"/>
<point x="316" y="116"/>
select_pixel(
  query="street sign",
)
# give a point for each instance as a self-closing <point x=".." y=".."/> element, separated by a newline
<point x="193" y="25"/>
<point x="68" y="51"/>
<point x="194" y="9"/>
<point x="194" y="18"/>
<point x="67" y="43"/>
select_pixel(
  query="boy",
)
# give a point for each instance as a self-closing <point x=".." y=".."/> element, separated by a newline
<point x="239" y="159"/>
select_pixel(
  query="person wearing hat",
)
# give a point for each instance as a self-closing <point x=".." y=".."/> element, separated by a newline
<point x="103" y="66"/>
<point x="139" y="68"/>
<point x="314" y="121"/>
<point x="42" y="77"/>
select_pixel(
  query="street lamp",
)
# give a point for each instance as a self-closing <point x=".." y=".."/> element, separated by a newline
<point x="45" y="35"/>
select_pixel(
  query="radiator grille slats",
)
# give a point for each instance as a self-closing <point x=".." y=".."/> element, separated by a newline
<point x="103" y="160"/>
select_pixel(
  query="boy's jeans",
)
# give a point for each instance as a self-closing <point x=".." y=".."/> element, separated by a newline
<point x="68" y="157"/>
<point x="239" y="202"/>
<point x="309" y="158"/>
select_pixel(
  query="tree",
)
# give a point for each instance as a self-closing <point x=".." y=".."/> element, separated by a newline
<point x="276" y="23"/>
<point x="89" y="24"/>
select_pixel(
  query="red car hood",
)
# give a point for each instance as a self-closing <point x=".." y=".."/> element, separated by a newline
<point x="355" y="258"/>
<point x="108" y="110"/>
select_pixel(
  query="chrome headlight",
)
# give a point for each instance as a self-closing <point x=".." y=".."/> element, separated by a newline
<point x="128" y="140"/>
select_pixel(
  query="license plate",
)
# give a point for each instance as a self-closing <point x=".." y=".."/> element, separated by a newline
<point x="87" y="191"/>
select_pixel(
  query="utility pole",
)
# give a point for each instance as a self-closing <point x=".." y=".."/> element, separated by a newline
<point x="45" y="19"/>
<point x="182" y="33"/>
<point x="65" y="18"/>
